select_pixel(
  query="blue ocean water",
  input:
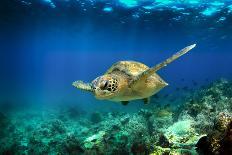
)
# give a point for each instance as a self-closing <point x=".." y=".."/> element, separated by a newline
<point x="47" y="44"/>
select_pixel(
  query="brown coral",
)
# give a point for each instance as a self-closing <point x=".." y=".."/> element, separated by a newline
<point x="220" y="140"/>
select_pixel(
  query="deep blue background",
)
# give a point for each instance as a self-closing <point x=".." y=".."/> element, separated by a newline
<point x="42" y="51"/>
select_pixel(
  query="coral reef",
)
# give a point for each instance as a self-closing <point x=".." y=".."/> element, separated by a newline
<point x="219" y="140"/>
<point x="96" y="117"/>
<point x="182" y="134"/>
<point x="4" y="122"/>
<point x="200" y="125"/>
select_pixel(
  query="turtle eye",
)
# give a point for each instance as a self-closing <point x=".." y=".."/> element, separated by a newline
<point x="104" y="84"/>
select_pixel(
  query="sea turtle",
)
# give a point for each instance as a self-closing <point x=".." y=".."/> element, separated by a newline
<point x="129" y="80"/>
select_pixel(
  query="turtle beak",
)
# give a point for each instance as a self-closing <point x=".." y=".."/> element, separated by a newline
<point x="94" y="85"/>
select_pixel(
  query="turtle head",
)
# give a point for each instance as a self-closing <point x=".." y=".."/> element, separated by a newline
<point x="105" y="87"/>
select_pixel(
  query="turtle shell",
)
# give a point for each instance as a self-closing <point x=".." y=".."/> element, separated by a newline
<point x="130" y="68"/>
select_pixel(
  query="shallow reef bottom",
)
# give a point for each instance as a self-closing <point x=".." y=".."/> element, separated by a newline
<point x="200" y="125"/>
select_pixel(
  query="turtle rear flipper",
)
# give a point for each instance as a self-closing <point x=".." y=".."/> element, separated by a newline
<point x="146" y="100"/>
<point x="124" y="102"/>
<point x="152" y="70"/>
<point x="83" y="86"/>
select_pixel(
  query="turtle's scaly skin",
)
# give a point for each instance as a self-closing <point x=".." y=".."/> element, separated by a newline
<point x="125" y="72"/>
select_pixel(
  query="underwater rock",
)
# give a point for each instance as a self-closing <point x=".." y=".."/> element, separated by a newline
<point x="223" y="120"/>
<point x="72" y="145"/>
<point x="219" y="140"/>
<point x="226" y="143"/>
<point x="139" y="148"/>
<point x="10" y="148"/>
<point x="57" y="126"/>
<point x="163" y="141"/>
<point x="96" y="117"/>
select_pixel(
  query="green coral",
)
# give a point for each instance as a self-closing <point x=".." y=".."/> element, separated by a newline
<point x="182" y="134"/>
<point x="94" y="140"/>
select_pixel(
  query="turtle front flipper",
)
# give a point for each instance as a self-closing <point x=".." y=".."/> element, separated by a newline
<point x="83" y="86"/>
<point x="152" y="70"/>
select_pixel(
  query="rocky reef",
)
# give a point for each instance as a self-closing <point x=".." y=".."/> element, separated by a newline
<point x="219" y="140"/>
<point x="200" y="125"/>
